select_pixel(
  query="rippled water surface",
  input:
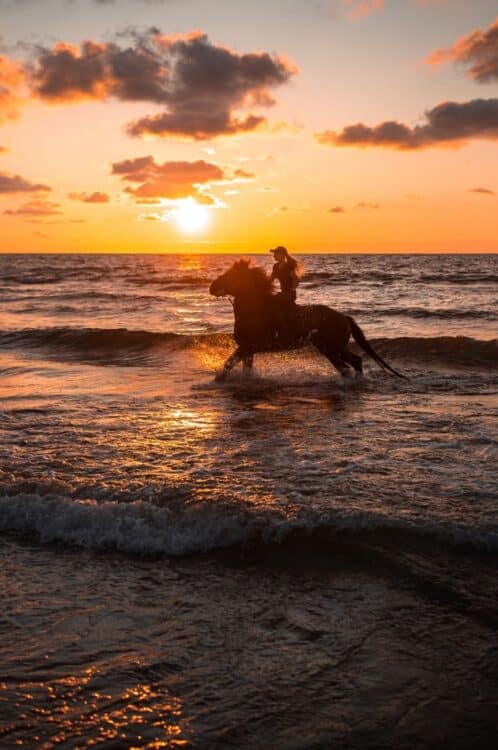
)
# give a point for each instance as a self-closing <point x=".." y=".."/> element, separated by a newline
<point x="224" y="562"/>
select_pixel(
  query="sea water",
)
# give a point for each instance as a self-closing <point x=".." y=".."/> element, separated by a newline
<point x="282" y="560"/>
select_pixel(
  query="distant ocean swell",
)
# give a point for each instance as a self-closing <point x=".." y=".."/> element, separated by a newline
<point x="315" y="278"/>
<point x="141" y="528"/>
<point x="97" y="343"/>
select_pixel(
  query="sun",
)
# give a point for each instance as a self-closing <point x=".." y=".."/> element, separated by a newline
<point x="190" y="216"/>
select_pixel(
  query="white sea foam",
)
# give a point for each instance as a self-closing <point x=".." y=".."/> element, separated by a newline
<point x="142" y="528"/>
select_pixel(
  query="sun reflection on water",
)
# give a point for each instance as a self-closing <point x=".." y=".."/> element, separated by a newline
<point x="140" y="716"/>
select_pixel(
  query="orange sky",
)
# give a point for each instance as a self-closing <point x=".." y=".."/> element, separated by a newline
<point x="342" y="127"/>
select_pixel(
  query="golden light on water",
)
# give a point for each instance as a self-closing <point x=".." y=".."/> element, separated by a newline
<point x="181" y="420"/>
<point x="140" y="716"/>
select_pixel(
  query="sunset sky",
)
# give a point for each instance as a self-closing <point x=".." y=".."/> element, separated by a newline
<point x="230" y="126"/>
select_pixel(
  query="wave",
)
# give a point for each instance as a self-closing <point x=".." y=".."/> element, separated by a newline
<point x="142" y="528"/>
<point x="114" y="343"/>
<point x="423" y="313"/>
<point x="98" y="341"/>
<point x="310" y="280"/>
<point x="446" y="350"/>
<point x="170" y="282"/>
<point x="459" y="278"/>
<point x="330" y="278"/>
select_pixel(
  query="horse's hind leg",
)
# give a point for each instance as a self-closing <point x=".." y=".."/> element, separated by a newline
<point x="354" y="360"/>
<point x="232" y="360"/>
<point x="335" y="358"/>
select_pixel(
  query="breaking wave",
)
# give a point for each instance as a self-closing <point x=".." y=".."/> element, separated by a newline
<point x="141" y="528"/>
<point x="113" y="343"/>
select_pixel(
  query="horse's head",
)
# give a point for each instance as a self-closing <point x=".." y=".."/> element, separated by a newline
<point x="241" y="278"/>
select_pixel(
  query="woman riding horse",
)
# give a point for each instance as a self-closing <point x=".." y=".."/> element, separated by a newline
<point x="287" y="271"/>
<point x="256" y="310"/>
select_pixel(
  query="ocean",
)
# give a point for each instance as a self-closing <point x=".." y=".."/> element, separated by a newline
<point x="284" y="560"/>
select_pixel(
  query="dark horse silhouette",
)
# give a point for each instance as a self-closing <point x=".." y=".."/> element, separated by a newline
<point x="258" y="315"/>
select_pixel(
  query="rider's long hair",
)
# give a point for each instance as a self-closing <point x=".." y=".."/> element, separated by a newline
<point x="294" y="265"/>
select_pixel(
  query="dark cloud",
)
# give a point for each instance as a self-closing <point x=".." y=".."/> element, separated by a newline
<point x="90" y="197"/>
<point x="203" y="86"/>
<point x="172" y="179"/>
<point x="337" y="210"/>
<point x="35" y="208"/>
<point x="482" y="191"/>
<point x="449" y="123"/>
<point x="477" y="51"/>
<point x="14" y="183"/>
<point x="209" y="85"/>
<point x="98" y="70"/>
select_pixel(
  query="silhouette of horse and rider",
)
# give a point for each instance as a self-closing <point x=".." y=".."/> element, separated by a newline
<point x="266" y="321"/>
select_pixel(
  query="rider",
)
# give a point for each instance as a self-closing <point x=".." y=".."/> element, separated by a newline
<point x="287" y="271"/>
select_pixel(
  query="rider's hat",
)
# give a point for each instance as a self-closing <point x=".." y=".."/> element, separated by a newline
<point x="279" y="248"/>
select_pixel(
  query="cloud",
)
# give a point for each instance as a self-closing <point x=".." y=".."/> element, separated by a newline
<point x="35" y="208"/>
<point x="14" y="183"/>
<point x="206" y="89"/>
<point x="371" y="206"/>
<point x="361" y="8"/>
<point x="209" y="85"/>
<point x="449" y="123"/>
<point x="482" y="191"/>
<point x="171" y="180"/>
<point x="97" y="70"/>
<point x="361" y="205"/>
<point x="95" y="197"/>
<point x="354" y="9"/>
<point x="11" y="81"/>
<point x="478" y="51"/>
<point x="289" y="210"/>
<point x="244" y="175"/>
<point x="3" y="150"/>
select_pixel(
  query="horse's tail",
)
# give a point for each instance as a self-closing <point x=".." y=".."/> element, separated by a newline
<point x="360" y="339"/>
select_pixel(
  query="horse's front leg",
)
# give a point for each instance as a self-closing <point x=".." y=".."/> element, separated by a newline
<point x="232" y="360"/>
<point x="248" y="361"/>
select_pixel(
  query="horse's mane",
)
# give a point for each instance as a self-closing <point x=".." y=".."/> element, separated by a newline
<point x="259" y="276"/>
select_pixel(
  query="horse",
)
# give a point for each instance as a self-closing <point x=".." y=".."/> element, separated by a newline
<point x="259" y="313"/>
